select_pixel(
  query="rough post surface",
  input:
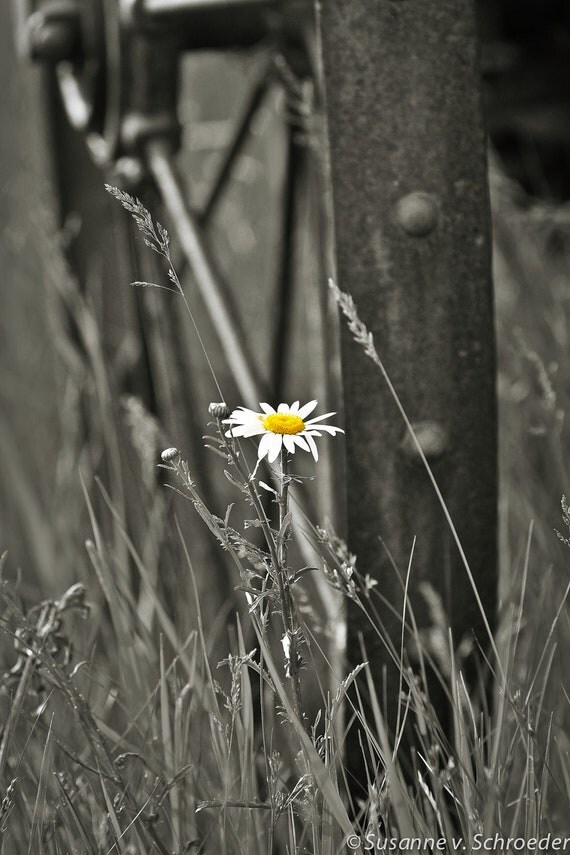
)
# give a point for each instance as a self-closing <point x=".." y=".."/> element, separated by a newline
<point x="408" y="163"/>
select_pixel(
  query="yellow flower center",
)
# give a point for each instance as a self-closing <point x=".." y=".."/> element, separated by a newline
<point x="283" y="423"/>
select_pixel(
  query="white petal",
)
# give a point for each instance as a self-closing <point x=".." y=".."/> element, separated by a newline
<point x="313" y="446"/>
<point x="253" y="429"/>
<point x="267" y="409"/>
<point x="289" y="443"/>
<point x="300" y="440"/>
<point x="239" y="430"/>
<point x="283" y="408"/>
<point x="306" y="409"/>
<point x="319" y="418"/>
<point x="276" y="443"/>
<point x="244" y="421"/>
<point x="294" y="408"/>
<point x="265" y="445"/>
<point x="332" y="429"/>
<point x="242" y="413"/>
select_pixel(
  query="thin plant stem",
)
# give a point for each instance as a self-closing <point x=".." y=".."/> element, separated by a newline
<point x="363" y="337"/>
<point x="278" y="556"/>
<point x="285" y="589"/>
<point x="284" y="505"/>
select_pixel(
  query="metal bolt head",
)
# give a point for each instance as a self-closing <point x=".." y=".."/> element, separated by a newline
<point x="432" y="438"/>
<point x="128" y="173"/>
<point x="418" y="213"/>
<point x="53" y="33"/>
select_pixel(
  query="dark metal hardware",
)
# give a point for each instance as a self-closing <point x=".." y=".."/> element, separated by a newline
<point x="53" y="33"/>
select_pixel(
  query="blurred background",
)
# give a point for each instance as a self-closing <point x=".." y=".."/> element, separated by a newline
<point x="97" y="377"/>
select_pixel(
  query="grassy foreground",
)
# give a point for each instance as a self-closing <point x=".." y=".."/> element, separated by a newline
<point x="124" y="732"/>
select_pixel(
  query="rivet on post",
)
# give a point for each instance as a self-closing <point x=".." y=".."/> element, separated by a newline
<point x="128" y="173"/>
<point x="53" y="33"/>
<point x="418" y="213"/>
<point x="432" y="437"/>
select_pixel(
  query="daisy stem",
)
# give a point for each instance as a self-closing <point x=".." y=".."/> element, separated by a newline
<point x="279" y="563"/>
<point x="288" y="606"/>
<point x="284" y="506"/>
<point x="254" y="496"/>
<point x="285" y="590"/>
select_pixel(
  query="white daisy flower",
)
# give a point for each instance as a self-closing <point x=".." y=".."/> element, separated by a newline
<point x="286" y="427"/>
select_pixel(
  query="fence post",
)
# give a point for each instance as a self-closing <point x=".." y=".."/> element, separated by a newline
<point x="408" y="168"/>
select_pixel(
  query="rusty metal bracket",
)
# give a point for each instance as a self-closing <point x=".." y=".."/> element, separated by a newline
<point x="408" y="169"/>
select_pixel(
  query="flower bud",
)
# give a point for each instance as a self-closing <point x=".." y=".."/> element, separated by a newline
<point x="219" y="411"/>
<point x="170" y="454"/>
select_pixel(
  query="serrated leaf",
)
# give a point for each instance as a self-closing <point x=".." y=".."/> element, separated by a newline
<point x="283" y="531"/>
<point x="298" y="574"/>
<point x="234" y="481"/>
<point x="215" y="439"/>
<point x="269" y="489"/>
<point x="216" y="451"/>
<point x="227" y="516"/>
<point x="249" y="805"/>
